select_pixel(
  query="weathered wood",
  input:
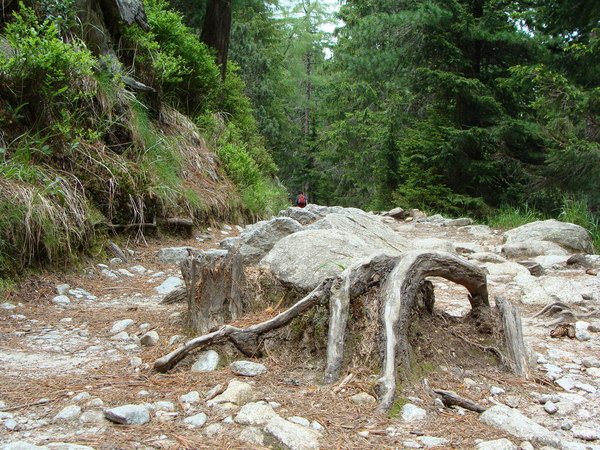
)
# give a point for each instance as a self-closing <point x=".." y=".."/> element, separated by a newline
<point x="117" y="251"/>
<point x="177" y="296"/>
<point x="513" y="338"/>
<point x="450" y="398"/>
<point x="399" y="293"/>
<point x="219" y="295"/>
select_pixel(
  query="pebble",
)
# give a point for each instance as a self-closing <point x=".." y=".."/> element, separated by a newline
<point x="586" y="434"/>
<point x="62" y="289"/>
<point x="149" y="339"/>
<point x="494" y="390"/>
<point x="61" y="300"/>
<point x="411" y="413"/>
<point x="550" y="407"/>
<point x="120" y="325"/>
<point x="247" y="368"/>
<point x="190" y="397"/>
<point x="68" y="413"/>
<point x="196" y="420"/>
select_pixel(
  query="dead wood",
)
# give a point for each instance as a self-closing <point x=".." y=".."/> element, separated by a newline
<point x="514" y="344"/>
<point x="450" y="398"/>
<point x="563" y="313"/>
<point x="177" y="296"/>
<point x="116" y="250"/>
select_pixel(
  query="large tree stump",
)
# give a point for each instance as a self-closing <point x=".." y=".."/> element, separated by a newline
<point x="402" y="287"/>
<point x="513" y="338"/>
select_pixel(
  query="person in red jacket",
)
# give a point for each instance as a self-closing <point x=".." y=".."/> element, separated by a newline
<point x="301" y="200"/>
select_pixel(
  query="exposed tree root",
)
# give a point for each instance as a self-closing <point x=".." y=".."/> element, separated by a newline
<point x="402" y="286"/>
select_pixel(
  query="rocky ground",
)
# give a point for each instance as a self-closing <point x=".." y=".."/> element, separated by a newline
<point x="76" y="348"/>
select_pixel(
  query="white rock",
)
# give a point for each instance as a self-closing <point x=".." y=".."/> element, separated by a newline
<point x="550" y="407"/>
<point x="68" y="413"/>
<point x="173" y="255"/>
<point x="432" y="441"/>
<point x="120" y="325"/>
<point x="93" y="416"/>
<point x="214" y="429"/>
<point x="135" y="361"/>
<point x="61" y="300"/>
<point x="122" y="336"/>
<point x="110" y="274"/>
<point x="494" y="390"/>
<point x="190" y="397"/>
<point x="62" y="289"/>
<point x="316" y="426"/>
<point x="255" y="414"/>
<point x="411" y="413"/>
<point x="128" y="414"/>
<point x="126" y="273"/>
<point x="591" y="362"/>
<point x="138" y="269"/>
<point x="169" y="285"/>
<point x="196" y="420"/>
<point x="247" y="368"/>
<point x="363" y="399"/>
<point x="515" y="423"/>
<point x="149" y="339"/>
<point x="299" y="420"/>
<point x="525" y="445"/>
<point x="581" y="331"/>
<point x="292" y="436"/>
<point x="207" y="362"/>
<point x="163" y="406"/>
<point x="11" y="425"/>
<point x="82" y="396"/>
<point x="586" y="434"/>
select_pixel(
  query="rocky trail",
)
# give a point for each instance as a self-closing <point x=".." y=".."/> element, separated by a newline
<point x="77" y="349"/>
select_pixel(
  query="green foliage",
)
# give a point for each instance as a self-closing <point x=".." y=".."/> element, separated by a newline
<point x="576" y="210"/>
<point x="507" y="217"/>
<point x="179" y="61"/>
<point x="38" y="66"/>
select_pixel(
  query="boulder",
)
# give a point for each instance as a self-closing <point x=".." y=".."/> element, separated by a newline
<point x="302" y="215"/>
<point x="259" y="238"/>
<point x="531" y="249"/>
<point x="568" y="235"/>
<point x="518" y="425"/>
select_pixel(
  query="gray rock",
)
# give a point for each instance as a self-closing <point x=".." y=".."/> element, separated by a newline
<point x="436" y="218"/>
<point x="207" y="362"/>
<point x="214" y="429"/>
<point x="581" y="331"/>
<point x="487" y="257"/>
<point x="190" y="397"/>
<point x="568" y="235"/>
<point x="590" y="362"/>
<point x="299" y="420"/>
<point x="586" y="434"/>
<point x="173" y="255"/>
<point x="67" y="446"/>
<point x="163" y="406"/>
<point x="11" y="425"/>
<point x="136" y="361"/>
<point x="61" y="300"/>
<point x="120" y="325"/>
<point x="122" y="336"/>
<point x="62" y="289"/>
<point x="238" y="393"/>
<point x="434" y="244"/>
<point x="317" y="426"/>
<point x="169" y="285"/>
<point x="196" y="420"/>
<point x="92" y="416"/>
<point x="550" y="407"/>
<point x="82" y="396"/>
<point x="462" y="222"/>
<point x="364" y="399"/>
<point x="128" y="414"/>
<point x="432" y="441"/>
<point x="230" y="242"/>
<point x="255" y="414"/>
<point x="494" y="390"/>
<point x="498" y="444"/>
<point x="291" y="435"/>
<point x="301" y="215"/>
<point x="411" y="413"/>
<point x="22" y="445"/>
<point x="516" y="424"/>
<point x="68" y="413"/>
<point x="247" y="368"/>
<point x="525" y="445"/>
<point x="260" y="238"/>
<point x="252" y="435"/>
<point x="149" y="339"/>
<point x="531" y="249"/>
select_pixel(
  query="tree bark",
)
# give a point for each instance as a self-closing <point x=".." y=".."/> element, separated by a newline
<point x="216" y="30"/>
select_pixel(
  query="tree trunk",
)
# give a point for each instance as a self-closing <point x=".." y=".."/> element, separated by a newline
<point x="216" y="30"/>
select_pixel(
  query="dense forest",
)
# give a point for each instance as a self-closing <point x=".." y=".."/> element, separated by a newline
<point x="115" y="115"/>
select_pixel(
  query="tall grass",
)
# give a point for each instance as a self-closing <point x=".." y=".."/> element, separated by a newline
<point x="507" y="217"/>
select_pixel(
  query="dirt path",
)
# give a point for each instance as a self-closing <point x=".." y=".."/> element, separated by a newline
<point x="58" y="355"/>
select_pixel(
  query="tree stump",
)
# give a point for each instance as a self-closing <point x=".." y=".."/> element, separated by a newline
<point x="216" y="286"/>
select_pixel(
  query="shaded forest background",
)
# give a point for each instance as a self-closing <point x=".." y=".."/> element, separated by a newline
<point x="221" y="110"/>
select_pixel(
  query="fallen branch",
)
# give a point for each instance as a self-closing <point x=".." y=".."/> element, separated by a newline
<point x="450" y="398"/>
<point x="26" y="405"/>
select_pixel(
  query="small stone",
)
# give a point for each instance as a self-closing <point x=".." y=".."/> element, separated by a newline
<point x="411" y="444"/>
<point x="82" y="396"/>
<point x="196" y="420"/>
<point x="228" y="420"/>
<point x="109" y="274"/>
<point x="169" y="285"/>
<point x="586" y="434"/>
<point x="316" y="426"/>
<point x="62" y="289"/>
<point x="432" y="441"/>
<point x="122" y="336"/>
<point x="299" y="420"/>
<point x="497" y="390"/>
<point x="247" y="368"/>
<point x="526" y="445"/>
<point x="138" y="269"/>
<point x="255" y="414"/>
<point x="566" y="425"/>
<point x="364" y="434"/>
<point x="550" y="407"/>
<point x="125" y="273"/>
<point x="566" y="383"/>
<point x="96" y="402"/>
<point x="149" y="339"/>
<point x="590" y="362"/>
<point x="290" y="435"/>
<point x="363" y="399"/>
<point x="174" y="339"/>
<point x="11" y="425"/>
<point x="165" y="416"/>
<point x="512" y="400"/>
<point x="128" y="414"/>
<point x="61" y="300"/>
<point x="92" y="416"/>
<point x="68" y="413"/>
<point x="190" y="397"/>
<point x="136" y="361"/>
<point x="163" y="406"/>
<point x="207" y="362"/>
<point x="411" y="413"/>
<point x="214" y="429"/>
<point x="120" y="325"/>
<point x="237" y="392"/>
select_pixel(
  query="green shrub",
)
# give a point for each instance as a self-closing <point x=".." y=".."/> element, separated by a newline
<point x="508" y="217"/>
